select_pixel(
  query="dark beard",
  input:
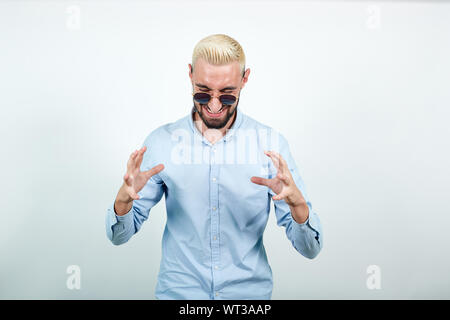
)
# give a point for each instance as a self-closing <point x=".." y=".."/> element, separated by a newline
<point x="215" y="124"/>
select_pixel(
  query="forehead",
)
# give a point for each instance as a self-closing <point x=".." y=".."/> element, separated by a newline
<point x="216" y="76"/>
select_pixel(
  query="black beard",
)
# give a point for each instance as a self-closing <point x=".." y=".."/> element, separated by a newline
<point x="215" y="125"/>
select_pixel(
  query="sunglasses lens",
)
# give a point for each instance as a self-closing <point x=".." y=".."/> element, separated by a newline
<point x="202" y="98"/>
<point x="227" y="99"/>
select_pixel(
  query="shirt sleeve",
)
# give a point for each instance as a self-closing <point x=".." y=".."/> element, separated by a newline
<point x="307" y="237"/>
<point x="119" y="229"/>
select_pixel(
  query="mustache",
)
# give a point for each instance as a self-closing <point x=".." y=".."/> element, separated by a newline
<point x="206" y="106"/>
<point x="219" y="111"/>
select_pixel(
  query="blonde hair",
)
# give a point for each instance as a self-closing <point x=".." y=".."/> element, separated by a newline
<point x="219" y="49"/>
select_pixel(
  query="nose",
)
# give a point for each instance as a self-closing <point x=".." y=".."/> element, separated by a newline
<point x="215" y="104"/>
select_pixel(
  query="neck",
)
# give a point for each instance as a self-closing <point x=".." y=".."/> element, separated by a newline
<point x="213" y="135"/>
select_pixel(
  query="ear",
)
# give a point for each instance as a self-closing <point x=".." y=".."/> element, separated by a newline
<point x="190" y="71"/>
<point x="245" y="77"/>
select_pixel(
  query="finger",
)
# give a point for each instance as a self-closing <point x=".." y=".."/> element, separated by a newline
<point x="275" y="161"/>
<point x="155" y="170"/>
<point x="283" y="178"/>
<point x="127" y="179"/>
<point x="133" y="195"/>
<point x="260" y="181"/>
<point x="140" y="156"/>
<point x="131" y="160"/>
<point x="131" y="192"/>
<point x="280" y="196"/>
<point x="279" y="158"/>
<point x="282" y="164"/>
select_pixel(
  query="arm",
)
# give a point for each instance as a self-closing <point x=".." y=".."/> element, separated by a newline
<point x="142" y="189"/>
<point x="121" y="227"/>
<point x="293" y="210"/>
<point x="306" y="236"/>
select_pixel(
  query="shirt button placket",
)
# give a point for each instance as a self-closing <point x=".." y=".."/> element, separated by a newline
<point x="214" y="200"/>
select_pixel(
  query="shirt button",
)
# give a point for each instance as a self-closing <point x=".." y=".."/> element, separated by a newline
<point x="214" y="238"/>
<point x="214" y="179"/>
<point x="214" y="208"/>
<point x="216" y="267"/>
<point x="217" y="294"/>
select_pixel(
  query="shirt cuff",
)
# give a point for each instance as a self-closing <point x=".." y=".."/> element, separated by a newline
<point x="114" y="218"/>
<point x="301" y="224"/>
<point x="310" y="222"/>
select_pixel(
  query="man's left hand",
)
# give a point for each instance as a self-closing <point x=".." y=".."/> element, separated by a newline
<point x="284" y="187"/>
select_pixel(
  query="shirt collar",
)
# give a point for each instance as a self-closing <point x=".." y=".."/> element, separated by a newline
<point x="230" y="132"/>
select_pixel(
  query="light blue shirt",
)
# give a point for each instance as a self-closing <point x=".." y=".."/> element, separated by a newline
<point x="212" y="246"/>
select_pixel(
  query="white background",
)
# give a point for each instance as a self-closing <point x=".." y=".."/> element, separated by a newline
<point x="360" y="90"/>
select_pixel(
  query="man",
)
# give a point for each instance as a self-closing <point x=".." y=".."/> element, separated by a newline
<point x="218" y="170"/>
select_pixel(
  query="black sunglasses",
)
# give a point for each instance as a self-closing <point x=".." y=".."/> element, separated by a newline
<point x="204" y="98"/>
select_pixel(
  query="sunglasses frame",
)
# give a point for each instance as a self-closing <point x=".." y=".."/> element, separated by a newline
<point x="210" y="97"/>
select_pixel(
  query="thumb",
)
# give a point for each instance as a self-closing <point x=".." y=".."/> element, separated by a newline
<point x="155" y="170"/>
<point x="260" y="181"/>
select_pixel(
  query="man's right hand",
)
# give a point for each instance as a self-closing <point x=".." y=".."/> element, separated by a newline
<point x="134" y="181"/>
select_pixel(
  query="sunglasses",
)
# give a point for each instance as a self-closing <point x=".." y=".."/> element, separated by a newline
<point x="204" y="98"/>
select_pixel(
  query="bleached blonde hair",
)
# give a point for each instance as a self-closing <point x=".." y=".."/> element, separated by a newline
<point x="219" y="49"/>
